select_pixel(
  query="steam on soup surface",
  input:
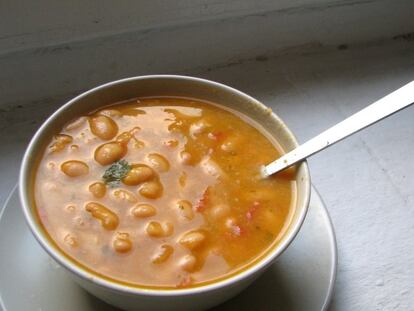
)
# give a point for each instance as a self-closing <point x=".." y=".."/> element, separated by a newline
<point x="162" y="192"/>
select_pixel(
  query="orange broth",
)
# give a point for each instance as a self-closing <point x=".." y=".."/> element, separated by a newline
<point x="183" y="204"/>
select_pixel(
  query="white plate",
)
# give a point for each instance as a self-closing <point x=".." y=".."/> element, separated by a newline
<point x="302" y="278"/>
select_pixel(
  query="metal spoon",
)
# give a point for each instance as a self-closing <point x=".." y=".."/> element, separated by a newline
<point x="386" y="106"/>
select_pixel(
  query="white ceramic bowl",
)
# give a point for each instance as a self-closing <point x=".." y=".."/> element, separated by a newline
<point x="134" y="298"/>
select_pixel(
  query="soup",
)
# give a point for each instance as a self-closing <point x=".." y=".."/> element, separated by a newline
<point x="162" y="192"/>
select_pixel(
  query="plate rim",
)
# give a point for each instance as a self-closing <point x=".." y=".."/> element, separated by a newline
<point x="6" y="203"/>
<point x="334" y="252"/>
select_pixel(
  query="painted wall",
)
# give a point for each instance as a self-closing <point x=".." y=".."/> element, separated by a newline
<point x="27" y="24"/>
<point x="61" y="48"/>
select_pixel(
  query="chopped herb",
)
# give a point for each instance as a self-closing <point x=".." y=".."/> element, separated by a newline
<point x="116" y="172"/>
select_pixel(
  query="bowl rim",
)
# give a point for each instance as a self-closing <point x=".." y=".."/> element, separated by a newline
<point x="95" y="278"/>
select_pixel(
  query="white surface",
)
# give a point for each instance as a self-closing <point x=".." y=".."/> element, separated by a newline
<point x="56" y="48"/>
<point x="309" y="260"/>
<point x="371" y="202"/>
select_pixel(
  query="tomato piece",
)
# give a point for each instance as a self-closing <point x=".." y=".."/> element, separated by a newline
<point x="203" y="201"/>
<point x="185" y="281"/>
<point x="216" y="135"/>
<point x="236" y="231"/>
<point x="252" y="210"/>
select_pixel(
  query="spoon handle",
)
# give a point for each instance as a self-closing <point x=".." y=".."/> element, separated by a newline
<point x="386" y="106"/>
